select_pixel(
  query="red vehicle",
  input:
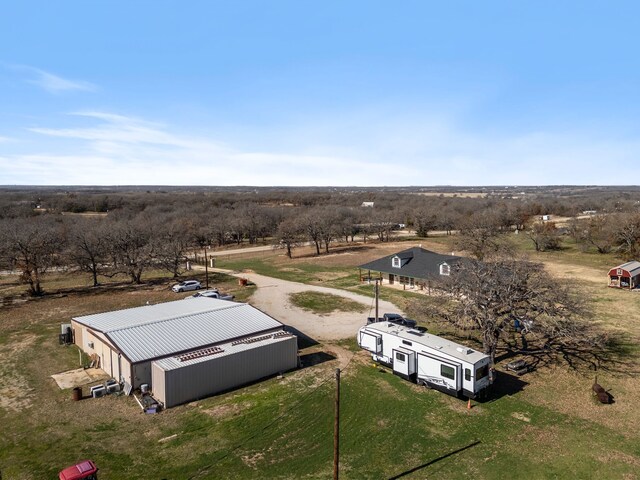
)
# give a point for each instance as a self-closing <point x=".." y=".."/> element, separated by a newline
<point x="85" y="470"/>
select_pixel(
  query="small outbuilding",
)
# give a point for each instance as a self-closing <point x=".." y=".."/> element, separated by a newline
<point x="626" y="275"/>
<point x="187" y="349"/>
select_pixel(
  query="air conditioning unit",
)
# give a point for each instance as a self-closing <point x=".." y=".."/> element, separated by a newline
<point x="90" y="344"/>
<point x="112" y="386"/>
<point x="98" y="391"/>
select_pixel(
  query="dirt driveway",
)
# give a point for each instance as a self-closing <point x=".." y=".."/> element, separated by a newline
<point x="272" y="297"/>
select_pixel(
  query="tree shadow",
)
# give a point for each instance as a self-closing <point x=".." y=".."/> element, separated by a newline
<point x="618" y="355"/>
<point x="435" y="460"/>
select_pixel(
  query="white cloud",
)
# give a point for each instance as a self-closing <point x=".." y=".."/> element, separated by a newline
<point x="125" y="151"/>
<point x="53" y="83"/>
<point x="121" y="150"/>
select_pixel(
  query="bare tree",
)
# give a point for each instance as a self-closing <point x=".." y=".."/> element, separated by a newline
<point x="88" y="247"/>
<point x="131" y="247"/>
<point x="627" y="233"/>
<point x="599" y="233"/>
<point x="544" y="235"/>
<point x="328" y="222"/>
<point x="480" y="235"/>
<point x="31" y="245"/>
<point x="312" y="227"/>
<point x="289" y="235"/>
<point x="171" y="243"/>
<point x="495" y="296"/>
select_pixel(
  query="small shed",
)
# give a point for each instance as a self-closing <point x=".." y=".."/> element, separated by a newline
<point x="626" y="275"/>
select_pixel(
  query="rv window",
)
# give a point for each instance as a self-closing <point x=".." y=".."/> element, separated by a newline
<point x="447" y="372"/>
<point x="400" y="357"/>
<point x="407" y="342"/>
<point x="467" y="374"/>
<point x="379" y="340"/>
<point x="482" y="372"/>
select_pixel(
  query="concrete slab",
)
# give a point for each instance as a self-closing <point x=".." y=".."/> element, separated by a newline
<point x="79" y="377"/>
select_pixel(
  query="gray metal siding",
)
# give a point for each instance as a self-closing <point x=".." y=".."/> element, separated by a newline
<point x="141" y="374"/>
<point x="203" y="379"/>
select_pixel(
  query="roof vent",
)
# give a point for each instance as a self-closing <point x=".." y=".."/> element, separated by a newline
<point x="464" y="350"/>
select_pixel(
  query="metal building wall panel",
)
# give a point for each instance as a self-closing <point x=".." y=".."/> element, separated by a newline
<point x="219" y="373"/>
<point x="77" y="333"/>
<point x="157" y="383"/>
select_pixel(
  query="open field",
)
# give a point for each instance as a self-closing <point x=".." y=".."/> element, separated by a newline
<point x="545" y="424"/>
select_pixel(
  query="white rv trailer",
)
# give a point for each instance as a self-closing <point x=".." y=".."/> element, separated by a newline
<point x="427" y="359"/>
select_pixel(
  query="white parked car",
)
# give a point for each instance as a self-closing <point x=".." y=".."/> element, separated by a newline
<point x="214" y="293"/>
<point x="186" y="286"/>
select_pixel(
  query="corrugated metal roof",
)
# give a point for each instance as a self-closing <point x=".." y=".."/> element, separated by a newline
<point x="153" y="331"/>
<point x="172" y="363"/>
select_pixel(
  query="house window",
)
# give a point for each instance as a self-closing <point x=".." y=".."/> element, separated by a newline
<point x="619" y="271"/>
<point x="401" y="357"/>
<point x="395" y="261"/>
<point x="447" y="372"/>
<point x="445" y="269"/>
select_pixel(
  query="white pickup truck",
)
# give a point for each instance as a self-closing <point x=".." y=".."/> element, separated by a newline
<point x="213" y="293"/>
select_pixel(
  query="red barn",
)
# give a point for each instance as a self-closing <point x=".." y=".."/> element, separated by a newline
<point x="626" y="275"/>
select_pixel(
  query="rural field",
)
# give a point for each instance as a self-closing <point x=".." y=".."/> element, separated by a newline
<point x="545" y="424"/>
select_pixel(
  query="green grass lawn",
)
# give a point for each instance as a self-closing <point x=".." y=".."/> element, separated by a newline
<point x="284" y="429"/>
<point x="324" y="303"/>
<point x="543" y="425"/>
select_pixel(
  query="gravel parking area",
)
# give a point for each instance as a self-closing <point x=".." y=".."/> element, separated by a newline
<point x="272" y="297"/>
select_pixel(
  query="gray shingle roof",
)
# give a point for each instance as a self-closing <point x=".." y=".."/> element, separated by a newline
<point x="155" y="331"/>
<point x="416" y="262"/>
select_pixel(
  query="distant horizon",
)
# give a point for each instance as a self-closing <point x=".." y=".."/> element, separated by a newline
<point x="435" y="187"/>
<point x="337" y="93"/>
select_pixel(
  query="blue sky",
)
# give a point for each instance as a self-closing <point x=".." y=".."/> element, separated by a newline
<point x="325" y="93"/>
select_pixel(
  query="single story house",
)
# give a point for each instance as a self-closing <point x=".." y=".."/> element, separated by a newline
<point x="414" y="267"/>
<point x="626" y="275"/>
<point x="187" y="349"/>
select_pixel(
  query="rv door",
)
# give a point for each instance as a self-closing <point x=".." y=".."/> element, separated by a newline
<point x="370" y="341"/>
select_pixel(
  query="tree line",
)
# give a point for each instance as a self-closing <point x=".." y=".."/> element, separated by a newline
<point x="131" y="232"/>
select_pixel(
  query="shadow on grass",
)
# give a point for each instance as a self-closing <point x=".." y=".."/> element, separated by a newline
<point x="435" y="460"/>
<point x="506" y="384"/>
<point x="618" y="355"/>
<point x="315" y="358"/>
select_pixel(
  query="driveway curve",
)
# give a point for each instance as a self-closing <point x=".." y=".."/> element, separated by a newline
<point x="272" y="297"/>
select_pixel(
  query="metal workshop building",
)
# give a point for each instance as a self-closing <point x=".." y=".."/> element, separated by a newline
<point x="187" y="349"/>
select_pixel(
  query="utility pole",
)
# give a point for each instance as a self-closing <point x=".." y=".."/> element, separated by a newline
<point x="377" y="291"/>
<point x="336" y="429"/>
<point x="206" y="268"/>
